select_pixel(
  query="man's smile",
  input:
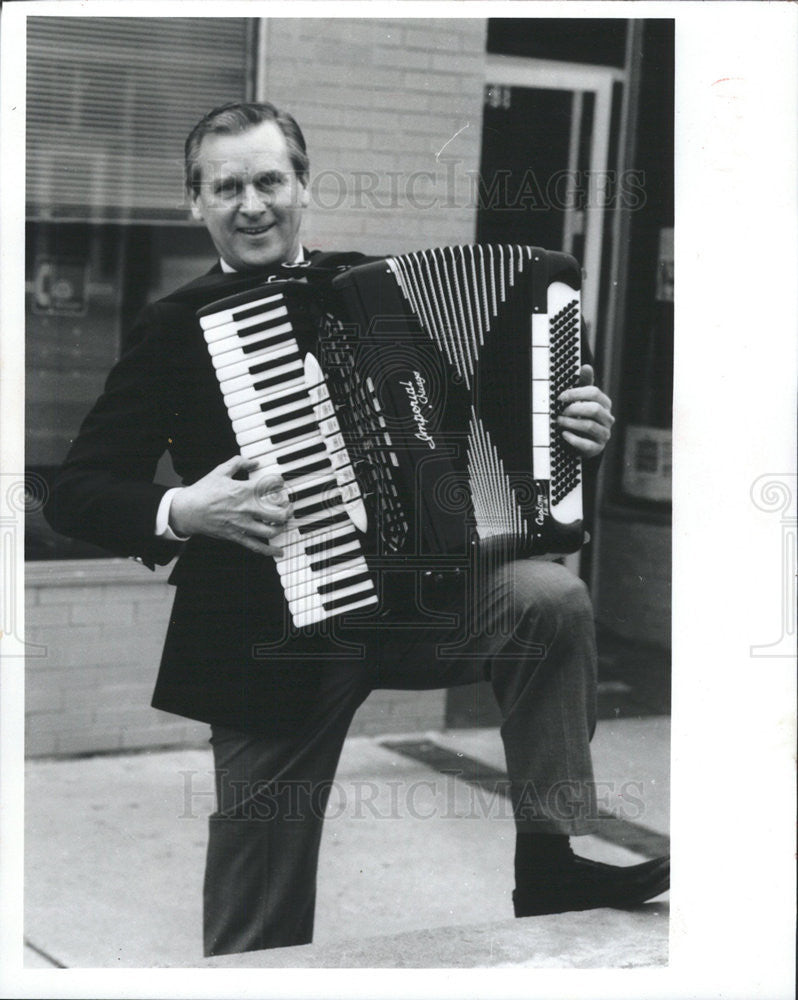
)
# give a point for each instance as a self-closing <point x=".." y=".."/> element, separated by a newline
<point x="255" y="230"/>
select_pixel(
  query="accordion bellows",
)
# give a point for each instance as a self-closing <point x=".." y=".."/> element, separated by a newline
<point x="410" y="406"/>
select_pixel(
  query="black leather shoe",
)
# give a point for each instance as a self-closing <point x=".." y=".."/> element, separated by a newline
<point x="582" y="884"/>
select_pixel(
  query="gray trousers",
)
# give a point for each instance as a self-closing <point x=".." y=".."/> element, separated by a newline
<point x="530" y="631"/>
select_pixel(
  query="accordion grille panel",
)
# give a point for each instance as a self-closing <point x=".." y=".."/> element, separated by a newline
<point x="475" y="344"/>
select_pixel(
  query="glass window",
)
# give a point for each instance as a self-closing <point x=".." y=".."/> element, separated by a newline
<point x="110" y="101"/>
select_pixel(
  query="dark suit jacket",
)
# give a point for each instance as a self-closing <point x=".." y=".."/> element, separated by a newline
<point x="230" y="656"/>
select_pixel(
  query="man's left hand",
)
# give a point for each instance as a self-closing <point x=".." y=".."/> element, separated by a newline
<point x="586" y="419"/>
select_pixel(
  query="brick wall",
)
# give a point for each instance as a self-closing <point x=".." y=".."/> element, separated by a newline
<point x="378" y="100"/>
<point x="392" y="112"/>
<point x="99" y="626"/>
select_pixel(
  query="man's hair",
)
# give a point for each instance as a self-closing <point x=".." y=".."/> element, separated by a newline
<point x="239" y="116"/>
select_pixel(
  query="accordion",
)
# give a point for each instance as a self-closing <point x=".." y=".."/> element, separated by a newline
<point x="410" y="407"/>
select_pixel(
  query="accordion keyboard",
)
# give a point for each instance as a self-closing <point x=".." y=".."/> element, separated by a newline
<point x="282" y="416"/>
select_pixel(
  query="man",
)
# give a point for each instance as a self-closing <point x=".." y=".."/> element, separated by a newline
<point x="279" y="702"/>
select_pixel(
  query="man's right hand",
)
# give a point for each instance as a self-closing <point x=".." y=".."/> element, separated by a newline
<point x="249" y="512"/>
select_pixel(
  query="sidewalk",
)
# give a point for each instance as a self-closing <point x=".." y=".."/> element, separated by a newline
<point x="419" y="837"/>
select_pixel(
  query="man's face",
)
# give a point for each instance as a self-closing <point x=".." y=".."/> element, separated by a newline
<point x="250" y="198"/>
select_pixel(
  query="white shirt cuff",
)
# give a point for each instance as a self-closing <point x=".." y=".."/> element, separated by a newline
<point x="162" y="529"/>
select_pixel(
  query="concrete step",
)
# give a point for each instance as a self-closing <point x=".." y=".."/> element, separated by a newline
<point x="406" y="850"/>
<point x="590" y="940"/>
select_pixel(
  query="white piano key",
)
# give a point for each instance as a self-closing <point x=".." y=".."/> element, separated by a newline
<point x="295" y="551"/>
<point x="295" y="554"/>
<point x="245" y="363"/>
<point x="297" y="544"/>
<point x="247" y="383"/>
<point x="290" y="540"/>
<point x="304" y="581"/>
<point x="303" y="588"/>
<point x="258" y="427"/>
<point x="270" y="431"/>
<point x="237" y="340"/>
<point x="257" y="417"/>
<point x="318" y="613"/>
<point x="336" y="460"/>
<point x="253" y="402"/>
<point x="313" y="600"/>
<point x="257" y="345"/>
<point x="300" y="562"/>
<point x="354" y="547"/>
<point x="283" y="456"/>
<point x="226" y="317"/>
<point x="270" y="407"/>
<point x="307" y="517"/>
<point x="330" y="496"/>
<point x="344" y="475"/>
<point x="346" y="489"/>
<point x="259" y="421"/>
<point x="229" y="385"/>
<point x="265" y="445"/>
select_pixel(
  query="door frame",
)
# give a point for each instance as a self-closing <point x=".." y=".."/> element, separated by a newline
<point x="517" y="71"/>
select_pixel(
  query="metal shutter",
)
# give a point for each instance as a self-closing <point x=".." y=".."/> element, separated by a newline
<point x="110" y="102"/>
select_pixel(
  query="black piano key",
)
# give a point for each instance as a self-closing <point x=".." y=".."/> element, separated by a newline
<point x="342" y="557"/>
<point x="294" y="397"/>
<point x="346" y="581"/>
<point x="266" y="366"/>
<point x="330" y="543"/>
<point x="267" y="324"/>
<point x="309" y="491"/>
<point x="266" y="342"/>
<point x="340" y="602"/>
<point x="294" y="456"/>
<point x="325" y="522"/>
<point x="334" y="500"/>
<point x="305" y="470"/>
<point x="268" y="383"/>
<point x="295" y="432"/>
<point x="304" y="411"/>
